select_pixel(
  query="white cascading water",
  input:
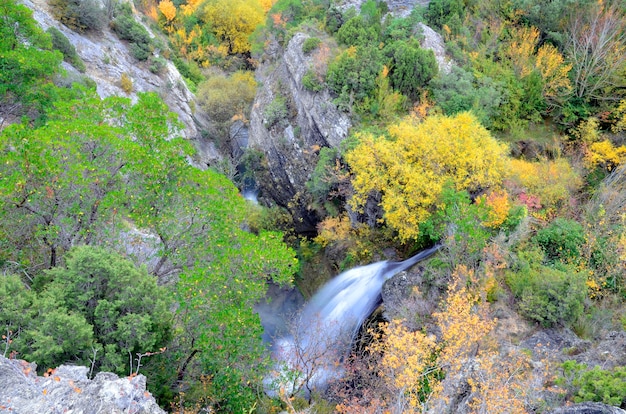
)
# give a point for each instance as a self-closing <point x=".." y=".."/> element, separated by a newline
<point x="330" y="321"/>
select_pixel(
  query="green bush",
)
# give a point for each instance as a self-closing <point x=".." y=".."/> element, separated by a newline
<point x="460" y="91"/>
<point x="80" y="15"/>
<point x="157" y="64"/>
<point x="310" y="44"/>
<point x="276" y="112"/>
<point x="311" y="82"/>
<point x="352" y="75"/>
<point x="596" y="384"/>
<point x="547" y="295"/>
<point x="358" y="32"/>
<point x="128" y="29"/>
<point x="561" y="240"/>
<point x="445" y="12"/>
<point x="412" y="68"/>
<point x="63" y="45"/>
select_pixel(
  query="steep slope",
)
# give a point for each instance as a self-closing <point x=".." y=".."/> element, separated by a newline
<point x="290" y="143"/>
<point x="106" y="58"/>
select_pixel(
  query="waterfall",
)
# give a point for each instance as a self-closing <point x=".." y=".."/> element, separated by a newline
<point x="328" y="323"/>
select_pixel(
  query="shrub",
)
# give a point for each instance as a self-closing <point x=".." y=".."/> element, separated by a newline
<point x="80" y="15"/>
<point x="552" y="181"/>
<point x="128" y="29"/>
<point x="352" y="75"/>
<point x="561" y="240"/>
<point x="547" y="295"/>
<point x="223" y="97"/>
<point x="460" y="91"/>
<point x="358" y="32"/>
<point x="311" y="82"/>
<point x="126" y="83"/>
<point x="275" y="112"/>
<point x="310" y="44"/>
<point x="63" y="45"/>
<point x="601" y="385"/>
<point x="412" y="68"/>
<point x="157" y="64"/>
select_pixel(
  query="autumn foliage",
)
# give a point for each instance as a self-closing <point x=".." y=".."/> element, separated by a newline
<point x="411" y="166"/>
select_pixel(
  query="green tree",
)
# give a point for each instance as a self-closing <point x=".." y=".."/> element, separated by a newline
<point x="358" y="32"/>
<point x="98" y="168"/>
<point x="352" y="75"/>
<point x="129" y="313"/>
<point x="411" y="68"/>
<point x="26" y="60"/>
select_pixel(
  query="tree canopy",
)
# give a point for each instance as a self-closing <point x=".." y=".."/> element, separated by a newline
<point x="411" y="165"/>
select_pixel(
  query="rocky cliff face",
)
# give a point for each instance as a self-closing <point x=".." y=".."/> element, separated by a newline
<point x="289" y="124"/>
<point x="68" y="390"/>
<point x="106" y="58"/>
<point x="396" y="7"/>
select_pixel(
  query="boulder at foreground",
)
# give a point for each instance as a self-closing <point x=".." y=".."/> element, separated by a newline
<point x="68" y="390"/>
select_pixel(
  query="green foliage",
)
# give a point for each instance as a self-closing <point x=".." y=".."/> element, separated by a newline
<point x="561" y="241"/>
<point x="460" y="91"/>
<point x="352" y="75"/>
<point x="547" y="295"/>
<point x="459" y="224"/>
<point x="93" y="168"/>
<point x="63" y="45"/>
<point x="129" y="313"/>
<point x="128" y="29"/>
<point x="448" y="13"/>
<point x="358" y="32"/>
<point x="189" y="70"/>
<point x="15" y="301"/>
<point x="95" y="311"/>
<point x="412" y="68"/>
<point x="224" y="97"/>
<point x="81" y="15"/>
<point x="310" y="44"/>
<point x="157" y="64"/>
<point x="311" y="82"/>
<point x="26" y="62"/>
<point x="603" y="385"/>
<point x="275" y="113"/>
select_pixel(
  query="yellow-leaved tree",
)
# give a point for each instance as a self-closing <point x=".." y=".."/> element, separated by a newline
<point x="168" y="9"/>
<point x="233" y="21"/>
<point x="410" y="167"/>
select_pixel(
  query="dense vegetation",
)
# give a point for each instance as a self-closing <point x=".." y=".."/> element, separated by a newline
<point x="119" y="255"/>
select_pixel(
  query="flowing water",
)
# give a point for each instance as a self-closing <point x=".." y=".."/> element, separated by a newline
<point x="331" y="319"/>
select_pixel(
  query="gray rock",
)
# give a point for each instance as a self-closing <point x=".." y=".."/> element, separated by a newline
<point x="68" y="390"/>
<point x="290" y="145"/>
<point x="554" y="341"/>
<point x="433" y="41"/>
<point x="588" y="408"/>
<point x="400" y="8"/>
<point x="106" y="58"/>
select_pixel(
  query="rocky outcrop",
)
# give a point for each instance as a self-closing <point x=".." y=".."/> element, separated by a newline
<point x="288" y="125"/>
<point x="106" y="58"/>
<point x="396" y="7"/>
<point x="433" y="41"/>
<point x="68" y="390"/>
